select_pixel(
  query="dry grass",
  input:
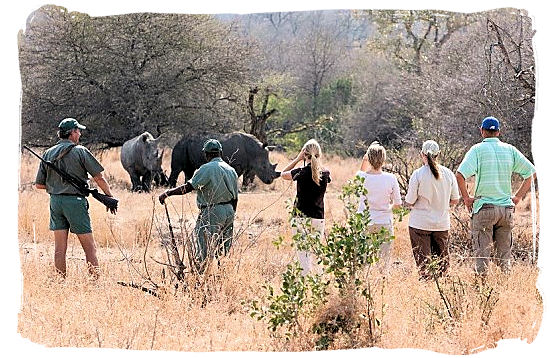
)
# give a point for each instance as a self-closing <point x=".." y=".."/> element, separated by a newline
<point x="78" y="312"/>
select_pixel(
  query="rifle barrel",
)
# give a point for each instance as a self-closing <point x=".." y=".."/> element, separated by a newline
<point x="33" y="153"/>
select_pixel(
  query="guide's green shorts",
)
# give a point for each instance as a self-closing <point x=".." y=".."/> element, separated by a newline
<point x="69" y="212"/>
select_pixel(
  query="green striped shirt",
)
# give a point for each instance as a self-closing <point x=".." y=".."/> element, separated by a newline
<point x="493" y="162"/>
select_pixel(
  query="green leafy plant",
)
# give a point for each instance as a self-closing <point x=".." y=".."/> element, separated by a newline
<point x="299" y="296"/>
<point x="351" y="246"/>
<point x="400" y="213"/>
<point x="345" y="256"/>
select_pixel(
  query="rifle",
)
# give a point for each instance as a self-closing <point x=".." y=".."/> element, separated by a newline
<point x="80" y="185"/>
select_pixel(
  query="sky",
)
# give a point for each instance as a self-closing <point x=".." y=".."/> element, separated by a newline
<point x="13" y="19"/>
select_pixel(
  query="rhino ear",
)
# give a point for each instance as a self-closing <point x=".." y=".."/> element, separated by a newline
<point x="144" y="137"/>
<point x="269" y="148"/>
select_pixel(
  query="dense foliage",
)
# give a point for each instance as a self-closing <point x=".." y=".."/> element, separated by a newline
<point x="126" y="74"/>
<point x="344" y="77"/>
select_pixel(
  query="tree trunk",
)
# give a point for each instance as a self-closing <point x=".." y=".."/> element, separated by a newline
<point x="258" y="121"/>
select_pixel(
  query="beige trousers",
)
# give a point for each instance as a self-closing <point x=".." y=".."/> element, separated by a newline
<point x="385" y="248"/>
<point x="492" y="226"/>
<point x="307" y="259"/>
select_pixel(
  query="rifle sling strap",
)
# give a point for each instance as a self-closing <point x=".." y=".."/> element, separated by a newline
<point x="63" y="153"/>
<point x="57" y="163"/>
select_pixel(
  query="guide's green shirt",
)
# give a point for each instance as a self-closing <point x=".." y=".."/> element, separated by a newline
<point x="78" y="162"/>
<point x="215" y="182"/>
<point x="493" y="162"/>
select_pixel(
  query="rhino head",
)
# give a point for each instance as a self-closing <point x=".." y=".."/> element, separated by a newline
<point x="263" y="168"/>
<point x="151" y="155"/>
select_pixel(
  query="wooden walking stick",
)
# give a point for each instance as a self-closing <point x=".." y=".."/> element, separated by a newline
<point x="174" y="249"/>
<point x="534" y="218"/>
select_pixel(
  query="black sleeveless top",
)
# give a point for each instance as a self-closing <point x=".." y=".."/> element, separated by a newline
<point x="309" y="195"/>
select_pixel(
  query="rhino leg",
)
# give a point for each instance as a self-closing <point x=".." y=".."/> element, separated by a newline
<point x="248" y="178"/>
<point x="163" y="179"/>
<point x="188" y="175"/>
<point x="146" y="181"/>
<point x="160" y="179"/>
<point x="136" y="182"/>
<point x="173" y="179"/>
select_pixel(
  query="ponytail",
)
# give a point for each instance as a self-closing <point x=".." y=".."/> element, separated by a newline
<point x="316" y="169"/>
<point x="313" y="152"/>
<point x="432" y="163"/>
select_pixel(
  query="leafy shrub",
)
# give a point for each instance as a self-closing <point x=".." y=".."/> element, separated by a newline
<point x="344" y="255"/>
<point x="299" y="296"/>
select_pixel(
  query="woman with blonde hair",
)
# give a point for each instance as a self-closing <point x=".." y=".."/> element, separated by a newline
<point x="382" y="196"/>
<point x="432" y="189"/>
<point x="311" y="184"/>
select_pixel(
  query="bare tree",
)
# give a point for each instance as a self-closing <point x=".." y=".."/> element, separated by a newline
<point x="409" y="34"/>
<point x="509" y="85"/>
<point x="258" y="120"/>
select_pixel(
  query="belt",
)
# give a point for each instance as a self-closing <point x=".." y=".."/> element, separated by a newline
<point x="489" y="206"/>
<point x="212" y="205"/>
<point x="70" y="194"/>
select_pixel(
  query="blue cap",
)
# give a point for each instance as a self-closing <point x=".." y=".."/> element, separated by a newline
<point x="490" y="123"/>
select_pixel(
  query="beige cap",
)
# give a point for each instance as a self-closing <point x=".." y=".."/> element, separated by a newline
<point x="430" y="147"/>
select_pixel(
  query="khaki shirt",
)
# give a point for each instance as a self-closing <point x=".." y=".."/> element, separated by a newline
<point x="78" y="162"/>
<point x="215" y="182"/>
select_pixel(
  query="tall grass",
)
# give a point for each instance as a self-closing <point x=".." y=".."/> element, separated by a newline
<point x="78" y="312"/>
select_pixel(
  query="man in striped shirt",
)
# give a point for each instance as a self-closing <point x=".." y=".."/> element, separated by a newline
<point x="493" y="162"/>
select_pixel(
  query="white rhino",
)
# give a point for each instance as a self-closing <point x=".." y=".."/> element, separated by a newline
<point x="141" y="158"/>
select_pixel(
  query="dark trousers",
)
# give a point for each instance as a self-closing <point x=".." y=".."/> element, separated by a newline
<point x="429" y="245"/>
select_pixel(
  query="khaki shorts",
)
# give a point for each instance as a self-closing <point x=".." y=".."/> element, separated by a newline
<point x="69" y="212"/>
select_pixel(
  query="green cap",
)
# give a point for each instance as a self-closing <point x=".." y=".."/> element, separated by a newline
<point x="211" y="146"/>
<point x="70" y="123"/>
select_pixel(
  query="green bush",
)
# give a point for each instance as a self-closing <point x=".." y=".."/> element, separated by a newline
<point x="298" y="298"/>
<point x="344" y="256"/>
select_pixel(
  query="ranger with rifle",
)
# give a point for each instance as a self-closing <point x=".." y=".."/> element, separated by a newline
<point x="63" y="172"/>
